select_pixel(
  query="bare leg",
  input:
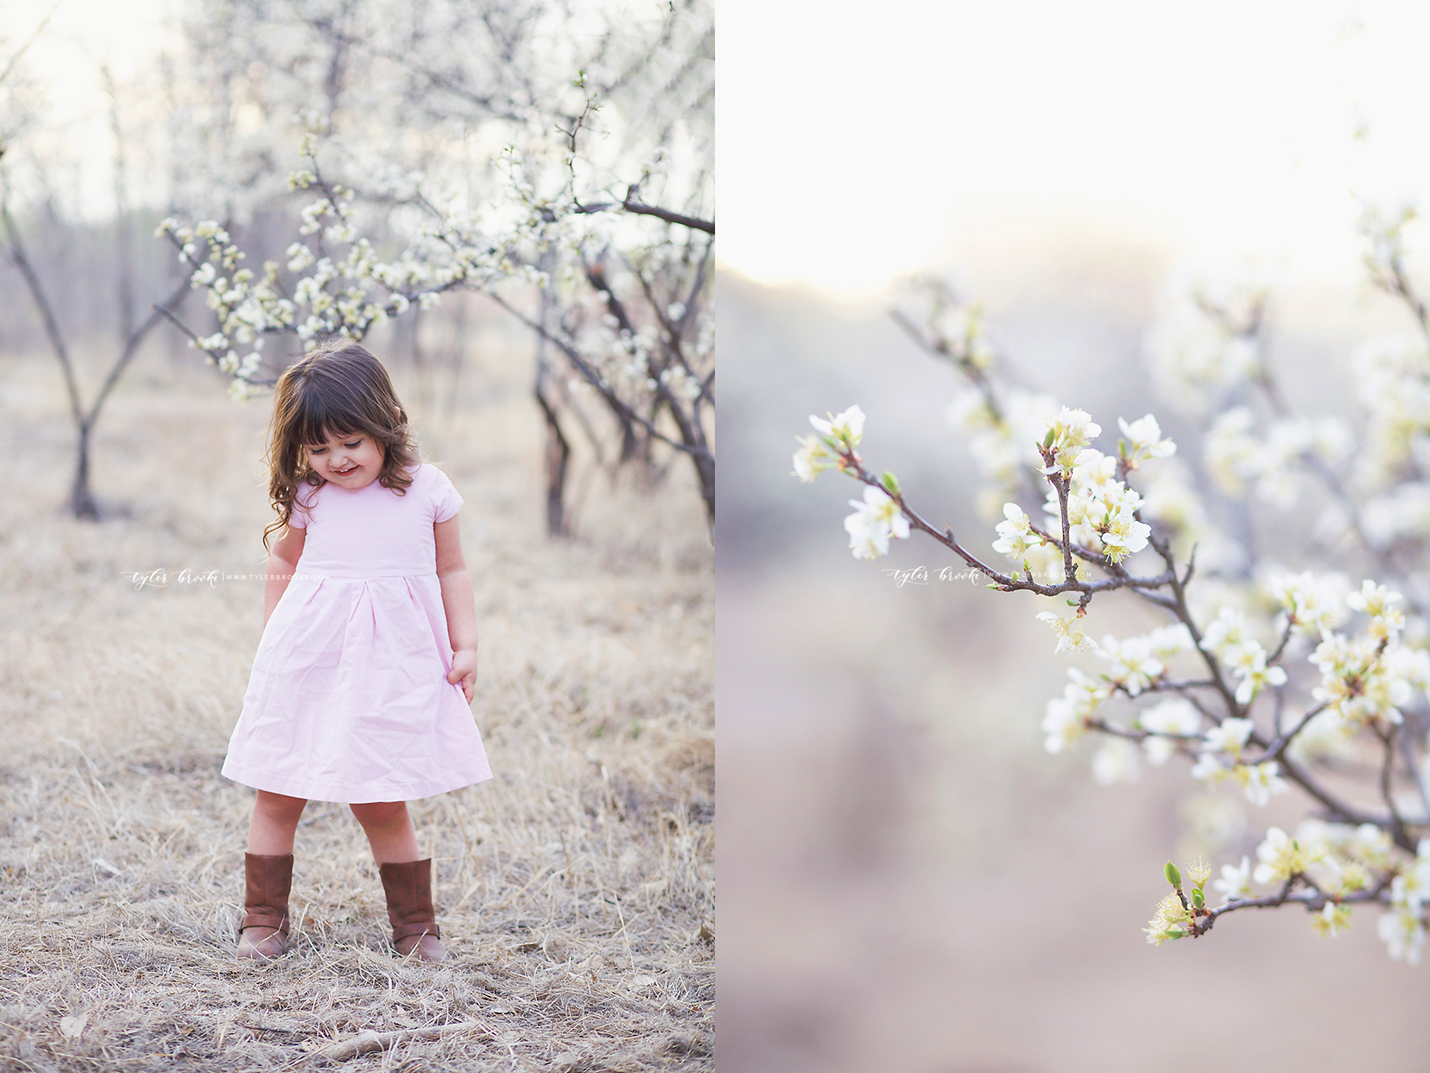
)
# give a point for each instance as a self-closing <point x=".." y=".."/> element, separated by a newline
<point x="389" y="831"/>
<point x="275" y="818"/>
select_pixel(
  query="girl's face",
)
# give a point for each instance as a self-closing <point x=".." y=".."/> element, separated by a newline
<point x="350" y="461"/>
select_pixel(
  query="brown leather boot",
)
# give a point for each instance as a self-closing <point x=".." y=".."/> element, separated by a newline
<point x="408" y="887"/>
<point x="264" y="931"/>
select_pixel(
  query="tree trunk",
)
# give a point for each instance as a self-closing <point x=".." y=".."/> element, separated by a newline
<point x="630" y="442"/>
<point x="558" y="453"/>
<point x="705" y="468"/>
<point x="82" y="503"/>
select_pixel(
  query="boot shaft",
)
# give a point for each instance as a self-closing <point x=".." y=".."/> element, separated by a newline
<point x="268" y="881"/>
<point x="408" y="886"/>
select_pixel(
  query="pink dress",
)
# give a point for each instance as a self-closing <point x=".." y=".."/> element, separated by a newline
<point x="349" y="699"/>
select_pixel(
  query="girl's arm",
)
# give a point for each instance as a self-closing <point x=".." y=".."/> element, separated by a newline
<point x="459" y="604"/>
<point x="282" y="561"/>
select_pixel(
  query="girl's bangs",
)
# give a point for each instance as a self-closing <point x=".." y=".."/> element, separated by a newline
<point x="320" y="414"/>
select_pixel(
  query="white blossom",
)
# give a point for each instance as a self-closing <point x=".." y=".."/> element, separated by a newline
<point x="1174" y="716"/>
<point x="1069" y="633"/>
<point x="1166" y="642"/>
<point x="1375" y="600"/>
<point x="1067" y="716"/>
<point x="1314" y="605"/>
<point x="1144" y="440"/>
<point x="1229" y="737"/>
<point x="847" y="427"/>
<point x="1232" y="453"/>
<point x="1015" y="536"/>
<point x="1066" y="436"/>
<point x="1226" y="630"/>
<point x="1115" y="761"/>
<point x="1403" y="932"/>
<point x="1133" y="665"/>
<point x="812" y="458"/>
<point x="875" y="520"/>
<point x="1235" y="881"/>
<point x="1259" y="781"/>
<point x="1282" y="857"/>
<point x="1248" y="662"/>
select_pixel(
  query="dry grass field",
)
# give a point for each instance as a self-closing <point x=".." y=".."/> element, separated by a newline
<point x="575" y="889"/>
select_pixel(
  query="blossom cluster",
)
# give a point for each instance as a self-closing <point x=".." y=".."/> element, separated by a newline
<point x="1238" y="461"/>
<point x="1264" y="679"/>
<point x="1102" y="511"/>
<point x="639" y="333"/>
<point x="1338" y="864"/>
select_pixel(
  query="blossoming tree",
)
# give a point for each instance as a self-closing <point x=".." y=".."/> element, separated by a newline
<point x="1264" y="678"/>
<point x="589" y="221"/>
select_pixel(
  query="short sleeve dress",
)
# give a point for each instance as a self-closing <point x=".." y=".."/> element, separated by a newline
<point x="348" y="699"/>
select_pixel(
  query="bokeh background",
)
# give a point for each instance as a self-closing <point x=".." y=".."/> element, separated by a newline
<point x="909" y="880"/>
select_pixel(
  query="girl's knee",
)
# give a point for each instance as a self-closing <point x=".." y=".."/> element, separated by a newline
<point x="279" y="805"/>
<point x="379" y="813"/>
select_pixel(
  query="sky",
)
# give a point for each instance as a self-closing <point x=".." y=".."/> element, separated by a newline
<point x="79" y="38"/>
<point x="125" y="35"/>
<point x="857" y="147"/>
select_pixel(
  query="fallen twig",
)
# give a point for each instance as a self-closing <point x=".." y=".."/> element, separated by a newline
<point x="369" y="1041"/>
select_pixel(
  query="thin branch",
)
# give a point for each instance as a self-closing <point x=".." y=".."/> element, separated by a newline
<point x="1412" y="766"/>
<point x="131" y="347"/>
<point x="1278" y="746"/>
<point x="636" y="208"/>
<point x="1397" y="822"/>
<point x="42" y="302"/>
<point x="1313" y="899"/>
<point x="1184" y="614"/>
<point x="851" y="464"/>
<point x="1336" y="809"/>
<point x="596" y="381"/>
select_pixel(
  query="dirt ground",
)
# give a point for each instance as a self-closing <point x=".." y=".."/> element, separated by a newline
<point x="575" y="889"/>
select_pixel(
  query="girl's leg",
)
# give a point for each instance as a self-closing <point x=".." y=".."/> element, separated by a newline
<point x="389" y="830"/>
<point x="268" y="875"/>
<point x="275" y="818"/>
<point x="406" y="881"/>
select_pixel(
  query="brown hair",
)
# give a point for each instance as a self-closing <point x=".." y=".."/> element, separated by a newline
<point x="337" y="388"/>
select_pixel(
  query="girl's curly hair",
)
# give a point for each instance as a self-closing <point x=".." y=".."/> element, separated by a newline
<point x="338" y="388"/>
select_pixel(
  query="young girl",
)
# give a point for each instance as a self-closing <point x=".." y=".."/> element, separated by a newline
<point x="362" y="681"/>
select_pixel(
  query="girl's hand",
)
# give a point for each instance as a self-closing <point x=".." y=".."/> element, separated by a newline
<point x="464" y="670"/>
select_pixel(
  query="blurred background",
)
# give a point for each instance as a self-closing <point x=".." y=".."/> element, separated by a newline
<point x="909" y="880"/>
